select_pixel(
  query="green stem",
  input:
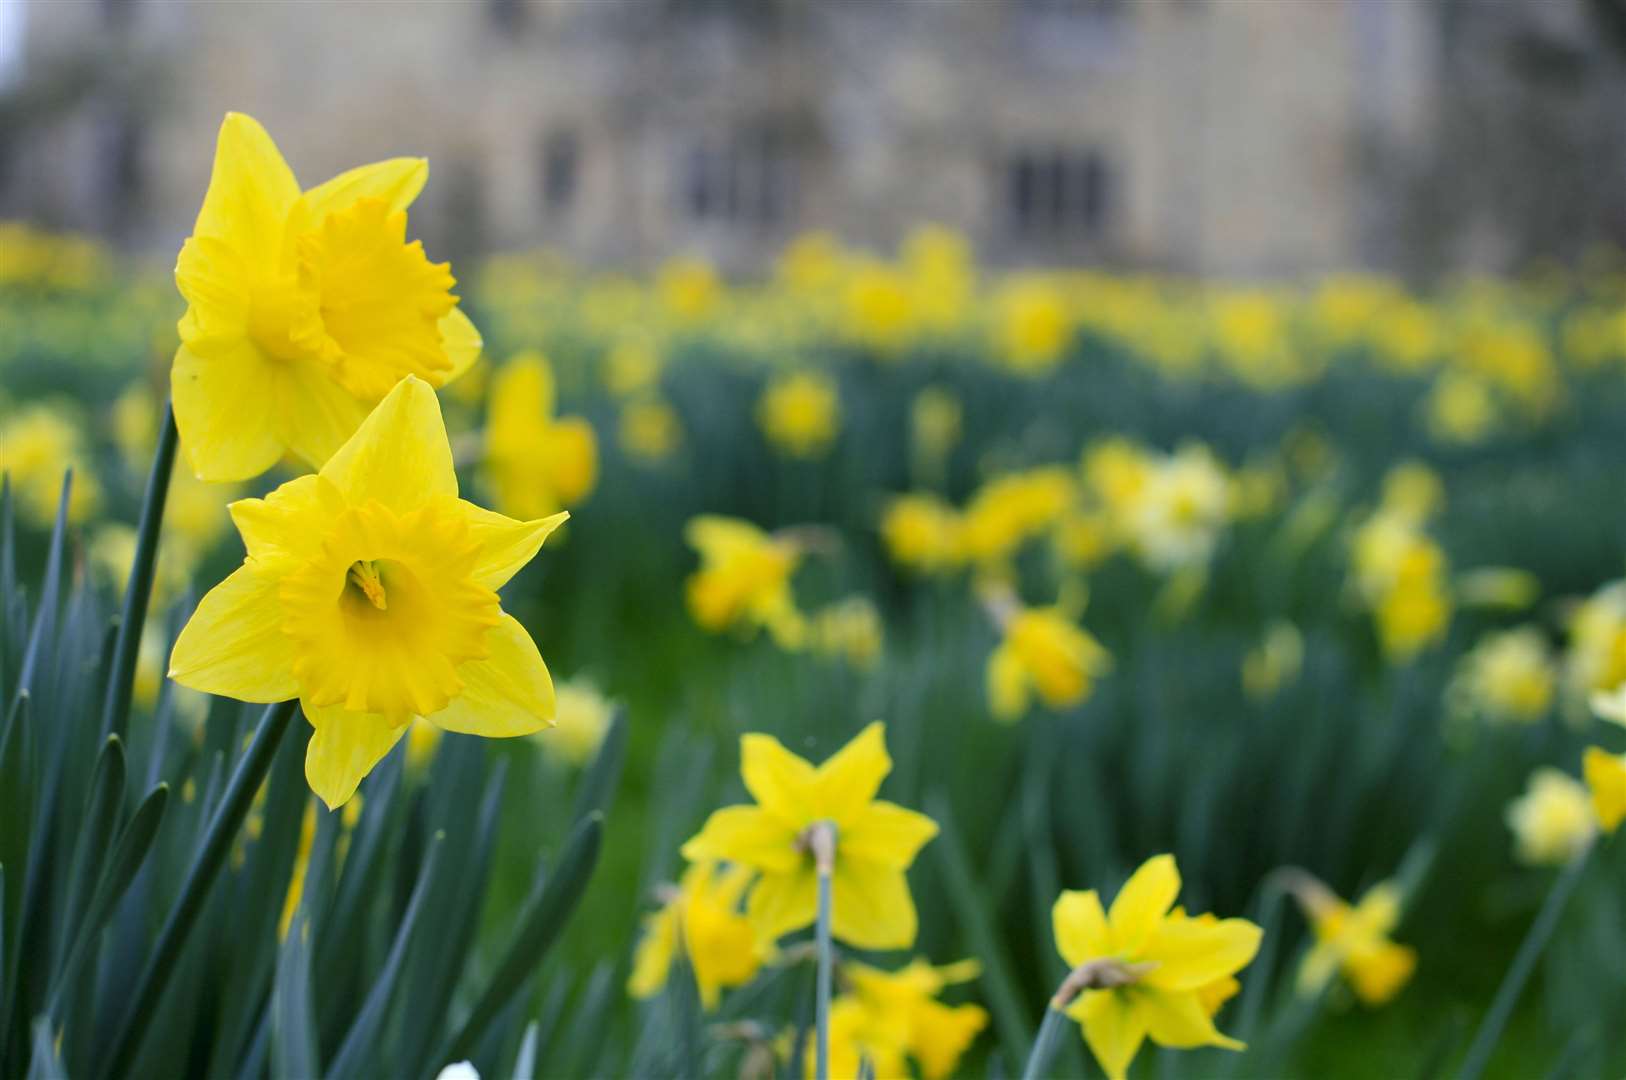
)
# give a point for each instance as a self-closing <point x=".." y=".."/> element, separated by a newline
<point x="1524" y="962"/>
<point x="823" y="843"/>
<point x="116" y="710"/>
<point x="1044" y="1045"/>
<point x="223" y="826"/>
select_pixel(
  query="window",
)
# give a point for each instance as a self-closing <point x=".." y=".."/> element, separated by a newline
<point x="743" y="178"/>
<point x="561" y="157"/>
<point x="1055" y="192"/>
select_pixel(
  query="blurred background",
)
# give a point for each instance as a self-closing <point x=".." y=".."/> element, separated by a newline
<point x="1207" y="136"/>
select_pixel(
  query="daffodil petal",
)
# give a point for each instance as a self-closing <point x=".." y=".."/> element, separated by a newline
<point x="850" y="777"/>
<point x="871" y="905"/>
<point x="941" y="1034"/>
<point x="886" y="833"/>
<point x="233" y="644"/>
<point x="227" y="432"/>
<point x="397" y="181"/>
<point x="1179" y="1020"/>
<point x="1143" y="901"/>
<point x="213" y="277"/>
<point x="1190" y="954"/>
<point x="780" y="782"/>
<point x="746" y="835"/>
<point x="461" y="340"/>
<point x="657" y="947"/>
<point x="400" y="455"/>
<point x="277" y="526"/>
<point x="314" y="413"/>
<point x="251" y="190"/>
<point x="505" y="544"/>
<point x="1113" y="1027"/>
<point x="1319" y="966"/>
<point x="1081" y="928"/>
<point x="507" y="693"/>
<point x="344" y="748"/>
<point x="783" y="901"/>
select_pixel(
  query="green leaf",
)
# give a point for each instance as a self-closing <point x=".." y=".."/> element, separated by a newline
<point x="525" y="1063"/>
<point x="356" y="1054"/>
<point x="597" y="789"/>
<point x="293" y="1019"/>
<point x="95" y="834"/>
<point x="544" y="915"/>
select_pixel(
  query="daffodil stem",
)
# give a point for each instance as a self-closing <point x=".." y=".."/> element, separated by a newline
<point x="1044" y="1044"/>
<point x="1524" y="962"/>
<point x="822" y="841"/>
<point x="211" y="856"/>
<point x="138" y="592"/>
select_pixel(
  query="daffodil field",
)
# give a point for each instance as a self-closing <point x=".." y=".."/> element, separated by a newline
<point x="886" y="666"/>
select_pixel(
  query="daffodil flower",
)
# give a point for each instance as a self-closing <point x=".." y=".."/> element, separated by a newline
<point x="744" y="579"/>
<point x="369" y="592"/>
<point x="535" y="462"/>
<point x="1605" y="775"/>
<point x="889" y="1016"/>
<point x="304" y="308"/>
<point x="702" y="921"/>
<point x="1146" y="971"/>
<point x="875" y="841"/>
<point x="800" y="414"/>
<point x="1042" y="652"/>
<point x="1354" y="939"/>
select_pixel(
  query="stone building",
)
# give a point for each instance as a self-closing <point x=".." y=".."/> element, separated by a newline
<point x="1258" y="137"/>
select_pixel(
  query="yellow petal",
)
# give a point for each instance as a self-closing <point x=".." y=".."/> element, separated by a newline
<point x="215" y="279"/>
<point x="849" y="779"/>
<point x="505" y="544"/>
<point x="746" y="835"/>
<point x="400" y="455"/>
<point x="870" y="905"/>
<point x="233" y="644"/>
<point x="1379" y="973"/>
<point x="1606" y="778"/>
<point x="1113" y="1027"/>
<point x="314" y="414"/>
<point x="887" y="834"/>
<point x="780" y="782"/>
<point x="1080" y="927"/>
<point x="397" y="181"/>
<point x="652" y="960"/>
<point x="1007" y="685"/>
<point x="1190" y="954"/>
<point x="221" y="411"/>
<point x="251" y="190"/>
<point x="1179" y="1020"/>
<point x="941" y="1033"/>
<point x="507" y="693"/>
<point x="344" y="748"/>
<point x="1319" y="966"/>
<point x="279" y="525"/>
<point x="1143" y="901"/>
<point x="461" y="341"/>
<point x="782" y="901"/>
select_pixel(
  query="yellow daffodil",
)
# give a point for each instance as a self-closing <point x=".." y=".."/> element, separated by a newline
<point x="535" y="462"/>
<point x="701" y="921"/>
<point x="1605" y="775"/>
<point x="304" y="308"/>
<point x="370" y="593"/>
<point x="1042" y="652"/>
<point x="922" y="533"/>
<point x="744" y="579"/>
<point x="582" y="716"/>
<point x="1147" y="971"/>
<point x="649" y="430"/>
<point x="38" y="444"/>
<point x="1355" y="940"/>
<point x="689" y="289"/>
<point x="1034" y="327"/>
<point x="1508" y="677"/>
<point x="1553" y="820"/>
<point x="1008" y="510"/>
<point x="875" y="841"/>
<point x="800" y="414"/>
<point x="850" y="630"/>
<point x="888" y="1017"/>
<point x="1595" y="665"/>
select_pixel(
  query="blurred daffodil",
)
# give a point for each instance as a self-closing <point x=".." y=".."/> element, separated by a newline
<point x="649" y="430"/>
<point x="800" y="414"/>
<point x="875" y="841"/>
<point x="701" y="921"/>
<point x="1355" y="940"/>
<point x="888" y="1017"/>
<point x="1145" y="969"/>
<point x="1042" y="652"/>
<point x="922" y="533"/>
<point x="581" y="719"/>
<point x="369" y="593"/>
<point x="1507" y="677"/>
<point x="744" y="579"/>
<point x="535" y="462"/>
<point x="304" y="308"/>
<point x="1553" y="820"/>
<point x="38" y="444"/>
<point x="1605" y="775"/>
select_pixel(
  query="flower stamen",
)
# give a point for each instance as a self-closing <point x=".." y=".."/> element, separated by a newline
<point x="364" y="576"/>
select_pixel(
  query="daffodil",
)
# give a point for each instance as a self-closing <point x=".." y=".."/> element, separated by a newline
<point x="582" y="717"/>
<point x="800" y="414"/>
<point x="1042" y="652"/>
<point x="38" y="444"/>
<point x="1183" y="502"/>
<point x="1553" y="821"/>
<point x="1146" y="969"/>
<point x="1508" y="677"/>
<point x="888" y="1017"/>
<point x="875" y="841"/>
<point x="701" y="920"/>
<point x="849" y="629"/>
<point x="1605" y="775"/>
<point x="535" y="462"/>
<point x="369" y="593"/>
<point x="1355" y="939"/>
<point x="744" y="579"/>
<point x="304" y="308"/>
<point x="922" y="533"/>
